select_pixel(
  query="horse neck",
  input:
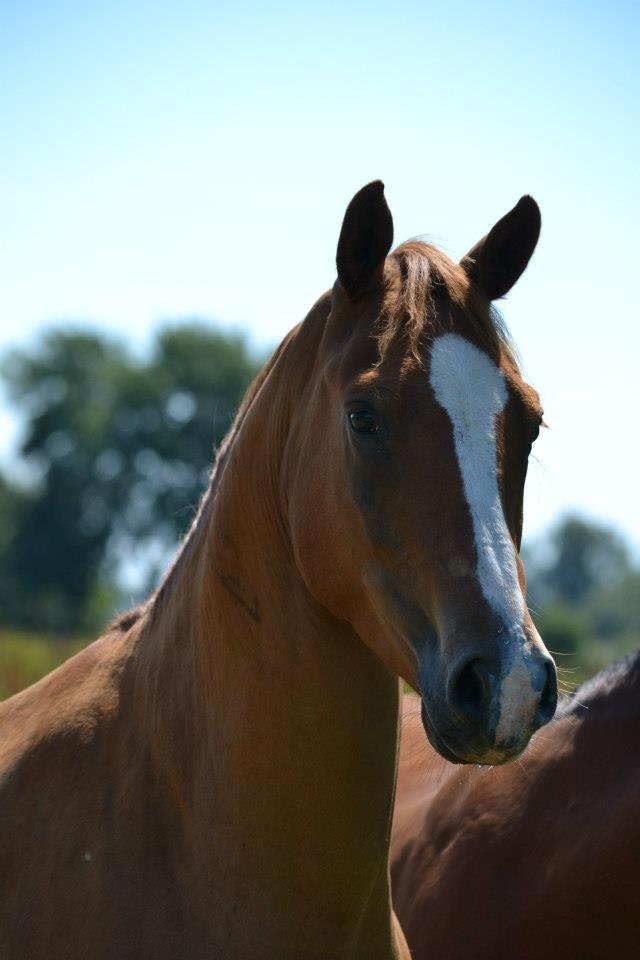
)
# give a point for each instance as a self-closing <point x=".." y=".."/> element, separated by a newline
<point x="266" y="708"/>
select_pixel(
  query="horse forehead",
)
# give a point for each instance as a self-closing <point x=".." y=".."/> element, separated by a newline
<point x="467" y="382"/>
<point x="462" y="377"/>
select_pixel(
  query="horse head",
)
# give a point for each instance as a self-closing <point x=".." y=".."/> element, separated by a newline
<point x="405" y="495"/>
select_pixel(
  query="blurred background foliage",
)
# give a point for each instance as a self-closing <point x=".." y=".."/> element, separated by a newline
<point x="113" y="456"/>
<point x="114" y="452"/>
<point x="584" y="595"/>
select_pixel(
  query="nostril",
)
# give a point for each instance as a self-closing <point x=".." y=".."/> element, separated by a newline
<point x="549" y="696"/>
<point x="469" y="689"/>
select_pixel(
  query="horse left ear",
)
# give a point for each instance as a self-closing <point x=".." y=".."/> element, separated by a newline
<point x="500" y="258"/>
<point x="365" y="239"/>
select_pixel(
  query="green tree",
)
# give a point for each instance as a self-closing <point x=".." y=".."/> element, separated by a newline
<point x="614" y="608"/>
<point x="65" y="391"/>
<point x="119" y="451"/>
<point x="170" y="415"/>
<point x="585" y="595"/>
<point x="583" y="554"/>
<point x="14" y="503"/>
<point x="563" y="629"/>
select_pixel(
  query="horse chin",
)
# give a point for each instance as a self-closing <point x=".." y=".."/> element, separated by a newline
<point x="436" y="740"/>
<point x="441" y="747"/>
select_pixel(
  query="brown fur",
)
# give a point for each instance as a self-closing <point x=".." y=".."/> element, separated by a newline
<point x="538" y="859"/>
<point x="214" y="777"/>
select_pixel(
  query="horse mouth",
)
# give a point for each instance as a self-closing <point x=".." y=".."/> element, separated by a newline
<point x="436" y="740"/>
<point x="489" y="756"/>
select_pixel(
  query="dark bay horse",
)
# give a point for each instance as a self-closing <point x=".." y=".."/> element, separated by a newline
<point x="537" y="859"/>
<point x="214" y="777"/>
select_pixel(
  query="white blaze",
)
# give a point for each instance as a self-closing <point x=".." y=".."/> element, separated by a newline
<point x="471" y="388"/>
<point x="473" y="391"/>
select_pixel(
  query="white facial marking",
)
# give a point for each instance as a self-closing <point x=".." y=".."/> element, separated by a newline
<point x="518" y="701"/>
<point x="472" y="390"/>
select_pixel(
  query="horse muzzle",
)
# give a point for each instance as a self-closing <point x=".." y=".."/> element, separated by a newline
<point x="490" y="703"/>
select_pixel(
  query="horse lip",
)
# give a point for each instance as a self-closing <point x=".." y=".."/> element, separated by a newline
<point x="437" y="742"/>
<point x="508" y="752"/>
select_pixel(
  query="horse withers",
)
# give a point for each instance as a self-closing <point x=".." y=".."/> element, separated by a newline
<point x="215" y="776"/>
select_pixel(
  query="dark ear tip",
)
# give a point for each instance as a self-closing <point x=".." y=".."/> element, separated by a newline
<point x="365" y="238"/>
<point x="372" y="190"/>
<point x="528" y="206"/>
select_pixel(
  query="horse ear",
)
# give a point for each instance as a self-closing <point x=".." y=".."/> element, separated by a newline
<point x="499" y="259"/>
<point x="365" y="239"/>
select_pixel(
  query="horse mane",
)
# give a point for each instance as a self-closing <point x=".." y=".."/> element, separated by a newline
<point x="124" y="621"/>
<point x="415" y="305"/>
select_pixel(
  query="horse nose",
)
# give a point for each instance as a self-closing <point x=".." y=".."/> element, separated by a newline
<point x="476" y="688"/>
<point x="549" y="695"/>
<point x="472" y="689"/>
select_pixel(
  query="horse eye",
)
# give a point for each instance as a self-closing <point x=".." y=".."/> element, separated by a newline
<point x="363" y="421"/>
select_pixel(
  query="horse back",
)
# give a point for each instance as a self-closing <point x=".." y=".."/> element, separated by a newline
<point x="535" y="858"/>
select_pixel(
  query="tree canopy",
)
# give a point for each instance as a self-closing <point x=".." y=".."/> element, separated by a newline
<point x="118" y="450"/>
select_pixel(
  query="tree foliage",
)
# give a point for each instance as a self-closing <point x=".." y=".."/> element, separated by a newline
<point x="575" y="557"/>
<point x="119" y="451"/>
<point x="584" y="554"/>
<point x="584" y="593"/>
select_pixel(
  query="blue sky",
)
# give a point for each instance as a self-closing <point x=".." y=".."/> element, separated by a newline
<point x="173" y="159"/>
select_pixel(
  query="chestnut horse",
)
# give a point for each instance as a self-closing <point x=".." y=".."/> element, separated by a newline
<point x="546" y="852"/>
<point x="215" y="776"/>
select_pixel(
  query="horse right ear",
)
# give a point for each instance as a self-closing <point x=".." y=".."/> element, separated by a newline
<point x="365" y="239"/>
<point x="498" y="260"/>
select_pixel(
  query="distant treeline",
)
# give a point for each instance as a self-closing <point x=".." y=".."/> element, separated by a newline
<point x="584" y="594"/>
<point x="114" y="455"/>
